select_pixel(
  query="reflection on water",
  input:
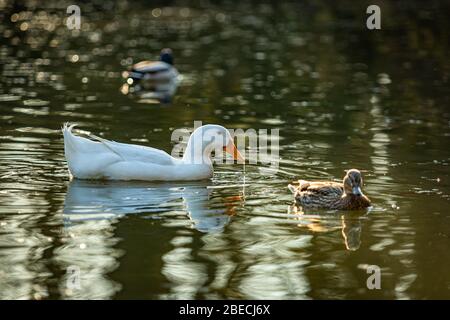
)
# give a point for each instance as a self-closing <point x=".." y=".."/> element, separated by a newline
<point x="91" y="210"/>
<point x="92" y="200"/>
<point x="340" y="96"/>
<point x="349" y="223"/>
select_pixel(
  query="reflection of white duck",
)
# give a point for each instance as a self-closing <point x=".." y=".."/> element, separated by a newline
<point x="104" y="159"/>
<point x="94" y="200"/>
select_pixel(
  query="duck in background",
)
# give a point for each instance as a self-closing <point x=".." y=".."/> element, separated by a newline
<point x="332" y="195"/>
<point x="162" y="70"/>
<point x="153" y="79"/>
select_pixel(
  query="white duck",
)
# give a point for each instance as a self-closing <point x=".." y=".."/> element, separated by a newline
<point x="104" y="159"/>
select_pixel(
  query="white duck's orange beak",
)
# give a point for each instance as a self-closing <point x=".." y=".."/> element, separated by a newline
<point x="233" y="151"/>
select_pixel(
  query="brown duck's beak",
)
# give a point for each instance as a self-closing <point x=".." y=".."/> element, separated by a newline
<point x="231" y="149"/>
<point x="357" y="191"/>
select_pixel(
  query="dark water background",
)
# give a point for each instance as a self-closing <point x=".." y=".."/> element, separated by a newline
<point x="342" y="96"/>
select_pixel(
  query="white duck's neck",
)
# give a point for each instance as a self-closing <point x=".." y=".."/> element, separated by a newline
<point x="196" y="151"/>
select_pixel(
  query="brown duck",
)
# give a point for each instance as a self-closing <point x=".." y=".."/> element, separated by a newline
<point x="331" y="195"/>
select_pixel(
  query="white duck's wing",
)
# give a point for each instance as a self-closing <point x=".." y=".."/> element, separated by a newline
<point x="134" y="152"/>
<point x="87" y="158"/>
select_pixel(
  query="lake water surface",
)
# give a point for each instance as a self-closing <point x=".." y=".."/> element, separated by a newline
<point x="341" y="96"/>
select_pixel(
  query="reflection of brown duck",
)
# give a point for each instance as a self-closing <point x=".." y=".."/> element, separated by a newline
<point x="351" y="231"/>
<point x="332" y="195"/>
<point x="350" y="225"/>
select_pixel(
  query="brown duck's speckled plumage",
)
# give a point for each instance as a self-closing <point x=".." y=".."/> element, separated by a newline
<point x="328" y="195"/>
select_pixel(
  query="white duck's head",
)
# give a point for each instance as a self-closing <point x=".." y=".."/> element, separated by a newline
<point x="206" y="139"/>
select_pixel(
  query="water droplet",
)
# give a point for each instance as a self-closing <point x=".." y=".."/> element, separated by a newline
<point x="74" y="58"/>
<point x="24" y="26"/>
<point x="14" y="17"/>
<point x="156" y="12"/>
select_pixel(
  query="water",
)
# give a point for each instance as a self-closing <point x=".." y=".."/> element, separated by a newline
<point x="340" y="95"/>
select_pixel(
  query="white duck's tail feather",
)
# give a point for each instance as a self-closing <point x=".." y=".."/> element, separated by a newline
<point x="77" y="148"/>
<point x="70" y="139"/>
<point x="106" y="143"/>
<point x="67" y="133"/>
<point x="69" y="144"/>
